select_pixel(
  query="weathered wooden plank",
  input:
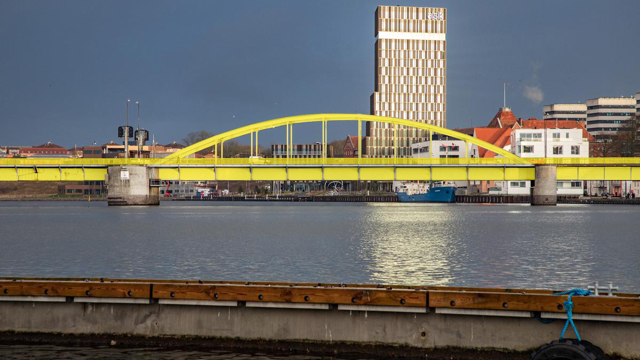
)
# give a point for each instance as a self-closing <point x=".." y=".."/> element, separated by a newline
<point x="319" y="285"/>
<point x="607" y="305"/>
<point x="291" y="294"/>
<point x="62" y="288"/>
<point x="534" y="302"/>
<point x="495" y="301"/>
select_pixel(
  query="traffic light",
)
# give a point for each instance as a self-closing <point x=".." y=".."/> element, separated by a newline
<point x="121" y="130"/>
<point x="142" y="133"/>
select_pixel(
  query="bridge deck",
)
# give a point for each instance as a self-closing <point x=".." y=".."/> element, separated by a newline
<point x="383" y="169"/>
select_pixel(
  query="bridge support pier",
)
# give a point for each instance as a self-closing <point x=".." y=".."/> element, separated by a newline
<point x="129" y="185"/>
<point x="545" y="191"/>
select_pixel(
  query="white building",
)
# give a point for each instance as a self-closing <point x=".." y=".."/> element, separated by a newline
<point x="550" y="143"/>
<point x="445" y="148"/>
<point x="606" y="115"/>
<point x="638" y="103"/>
<point x="575" y="112"/>
<point x="442" y="149"/>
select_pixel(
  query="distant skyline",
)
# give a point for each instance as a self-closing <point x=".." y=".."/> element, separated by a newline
<point x="68" y="67"/>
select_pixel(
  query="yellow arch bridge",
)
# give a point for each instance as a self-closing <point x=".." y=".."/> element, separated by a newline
<point x="505" y="166"/>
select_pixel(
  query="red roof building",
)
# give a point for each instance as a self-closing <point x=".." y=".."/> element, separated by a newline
<point x="350" y="148"/>
<point x="44" y="149"/>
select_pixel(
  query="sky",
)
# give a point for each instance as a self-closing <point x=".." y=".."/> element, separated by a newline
<point x="68" y="67"/>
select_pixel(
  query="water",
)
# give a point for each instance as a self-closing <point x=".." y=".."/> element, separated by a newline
<point x="431" y="244"/>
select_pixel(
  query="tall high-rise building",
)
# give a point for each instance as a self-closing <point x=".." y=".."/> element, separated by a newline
<point x="638" y="103"/>
<point x="605" y="116"/>
<point x="410" y="76"/>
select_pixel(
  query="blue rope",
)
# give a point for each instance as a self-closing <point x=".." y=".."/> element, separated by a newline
<point x="568" y="306"/>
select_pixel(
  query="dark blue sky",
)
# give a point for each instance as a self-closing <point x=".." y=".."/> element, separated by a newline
<point x="67" y="67"/>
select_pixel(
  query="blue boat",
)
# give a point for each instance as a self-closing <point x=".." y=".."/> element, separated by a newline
<point x="440" y="194"/>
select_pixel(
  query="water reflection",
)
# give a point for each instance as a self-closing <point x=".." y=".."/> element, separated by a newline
<point x="456" y="245"/>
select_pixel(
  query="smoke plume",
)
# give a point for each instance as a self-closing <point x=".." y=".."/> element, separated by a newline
<point x="533" y="90"/>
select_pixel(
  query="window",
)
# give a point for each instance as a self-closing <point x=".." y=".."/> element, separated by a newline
<point x="527" y="149"/>
<point x="557" y="150"/>
<point x="576" y="185"/>
<point x="87" y="152"/>
<point x="424" y="149"/>
<point x="556" y="136"/>
<point x="415" y="150"/>
<point x="97" y="152"/>
<point x="69" y="191"/>
<point x="518" y="184"/>
<point x="575" y="149"/>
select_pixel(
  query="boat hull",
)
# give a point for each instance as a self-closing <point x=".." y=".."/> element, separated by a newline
<point x="438" y="194"/>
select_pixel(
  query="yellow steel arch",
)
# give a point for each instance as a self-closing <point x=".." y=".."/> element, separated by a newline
<point x="269" y="124"/>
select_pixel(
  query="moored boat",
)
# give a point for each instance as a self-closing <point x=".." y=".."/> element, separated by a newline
<point x="440" y="194"/>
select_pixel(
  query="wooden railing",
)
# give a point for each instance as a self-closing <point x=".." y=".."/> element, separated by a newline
<point x="318" y="293"/>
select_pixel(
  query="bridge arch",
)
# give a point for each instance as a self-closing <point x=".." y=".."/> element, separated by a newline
<point x="310" y="118"/>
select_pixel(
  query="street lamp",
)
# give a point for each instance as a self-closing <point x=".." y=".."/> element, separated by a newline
<point x="126" y="134"/>
<point x="138" y="132"/>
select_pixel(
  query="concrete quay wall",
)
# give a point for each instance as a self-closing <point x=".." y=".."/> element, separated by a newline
<point x="425" y="329"/>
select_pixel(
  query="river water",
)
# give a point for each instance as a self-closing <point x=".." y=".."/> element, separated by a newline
<point x="432" y="244"/>
<point x="519" y="246"/>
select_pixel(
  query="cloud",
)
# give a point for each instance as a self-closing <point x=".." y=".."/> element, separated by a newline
<point x="533" y="93"/>
<point x="533" y="90"/>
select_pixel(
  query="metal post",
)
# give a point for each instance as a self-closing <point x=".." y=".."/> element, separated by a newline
<point x="430" y="143"/>
<point x="359" y="140"/>
<point x="222" y="150"/>
<point x="395" y="141"/>
<point x="126" y="133"/>
<point x="257" y="147"/>
<point x="287" y="145"/>
<point x="138" y="126"/>
<point x="291" y="141"/>
<point x="322" y="142"/>
<point x="251" y="149"/>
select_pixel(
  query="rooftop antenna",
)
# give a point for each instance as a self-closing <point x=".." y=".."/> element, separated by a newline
<point x="504" y="99"/>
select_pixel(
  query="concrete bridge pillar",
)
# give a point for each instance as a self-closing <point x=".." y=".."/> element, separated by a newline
<point x="129" y="185"/>
<point x="545" y="191"/>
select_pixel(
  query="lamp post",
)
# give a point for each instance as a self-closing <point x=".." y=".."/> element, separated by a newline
<point x="126" y="134"/>
<point x="138" y="132"/>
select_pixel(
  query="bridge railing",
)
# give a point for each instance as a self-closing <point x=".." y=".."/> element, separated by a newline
<point x="315" y="162"/>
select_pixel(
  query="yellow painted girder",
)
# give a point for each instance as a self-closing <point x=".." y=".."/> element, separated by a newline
<point x="300" y="119"/>
<point x="103" y="163"/>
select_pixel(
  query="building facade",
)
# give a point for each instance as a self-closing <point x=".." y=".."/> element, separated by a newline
<point x="443" y="147"/>
<point x="637" y="103"/>
<point x="547" y="143"/>
<point x="299" y="151"/>
<point x="82" y="188"/>
<point x="350" y="148"/>
<point x="48" y="149"/>
<point x="575" y="112"/>
<point x="605" y="116"/>
<point x="410" y="76"/>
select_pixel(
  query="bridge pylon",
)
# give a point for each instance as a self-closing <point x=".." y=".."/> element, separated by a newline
<point x="545" y="191"/>
<point x="130" y="185"/>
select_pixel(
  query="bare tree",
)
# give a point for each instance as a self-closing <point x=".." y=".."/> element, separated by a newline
<point x="338" y="148"/>
<point x="196" y="136"/>
<point x="627" y="139"/>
